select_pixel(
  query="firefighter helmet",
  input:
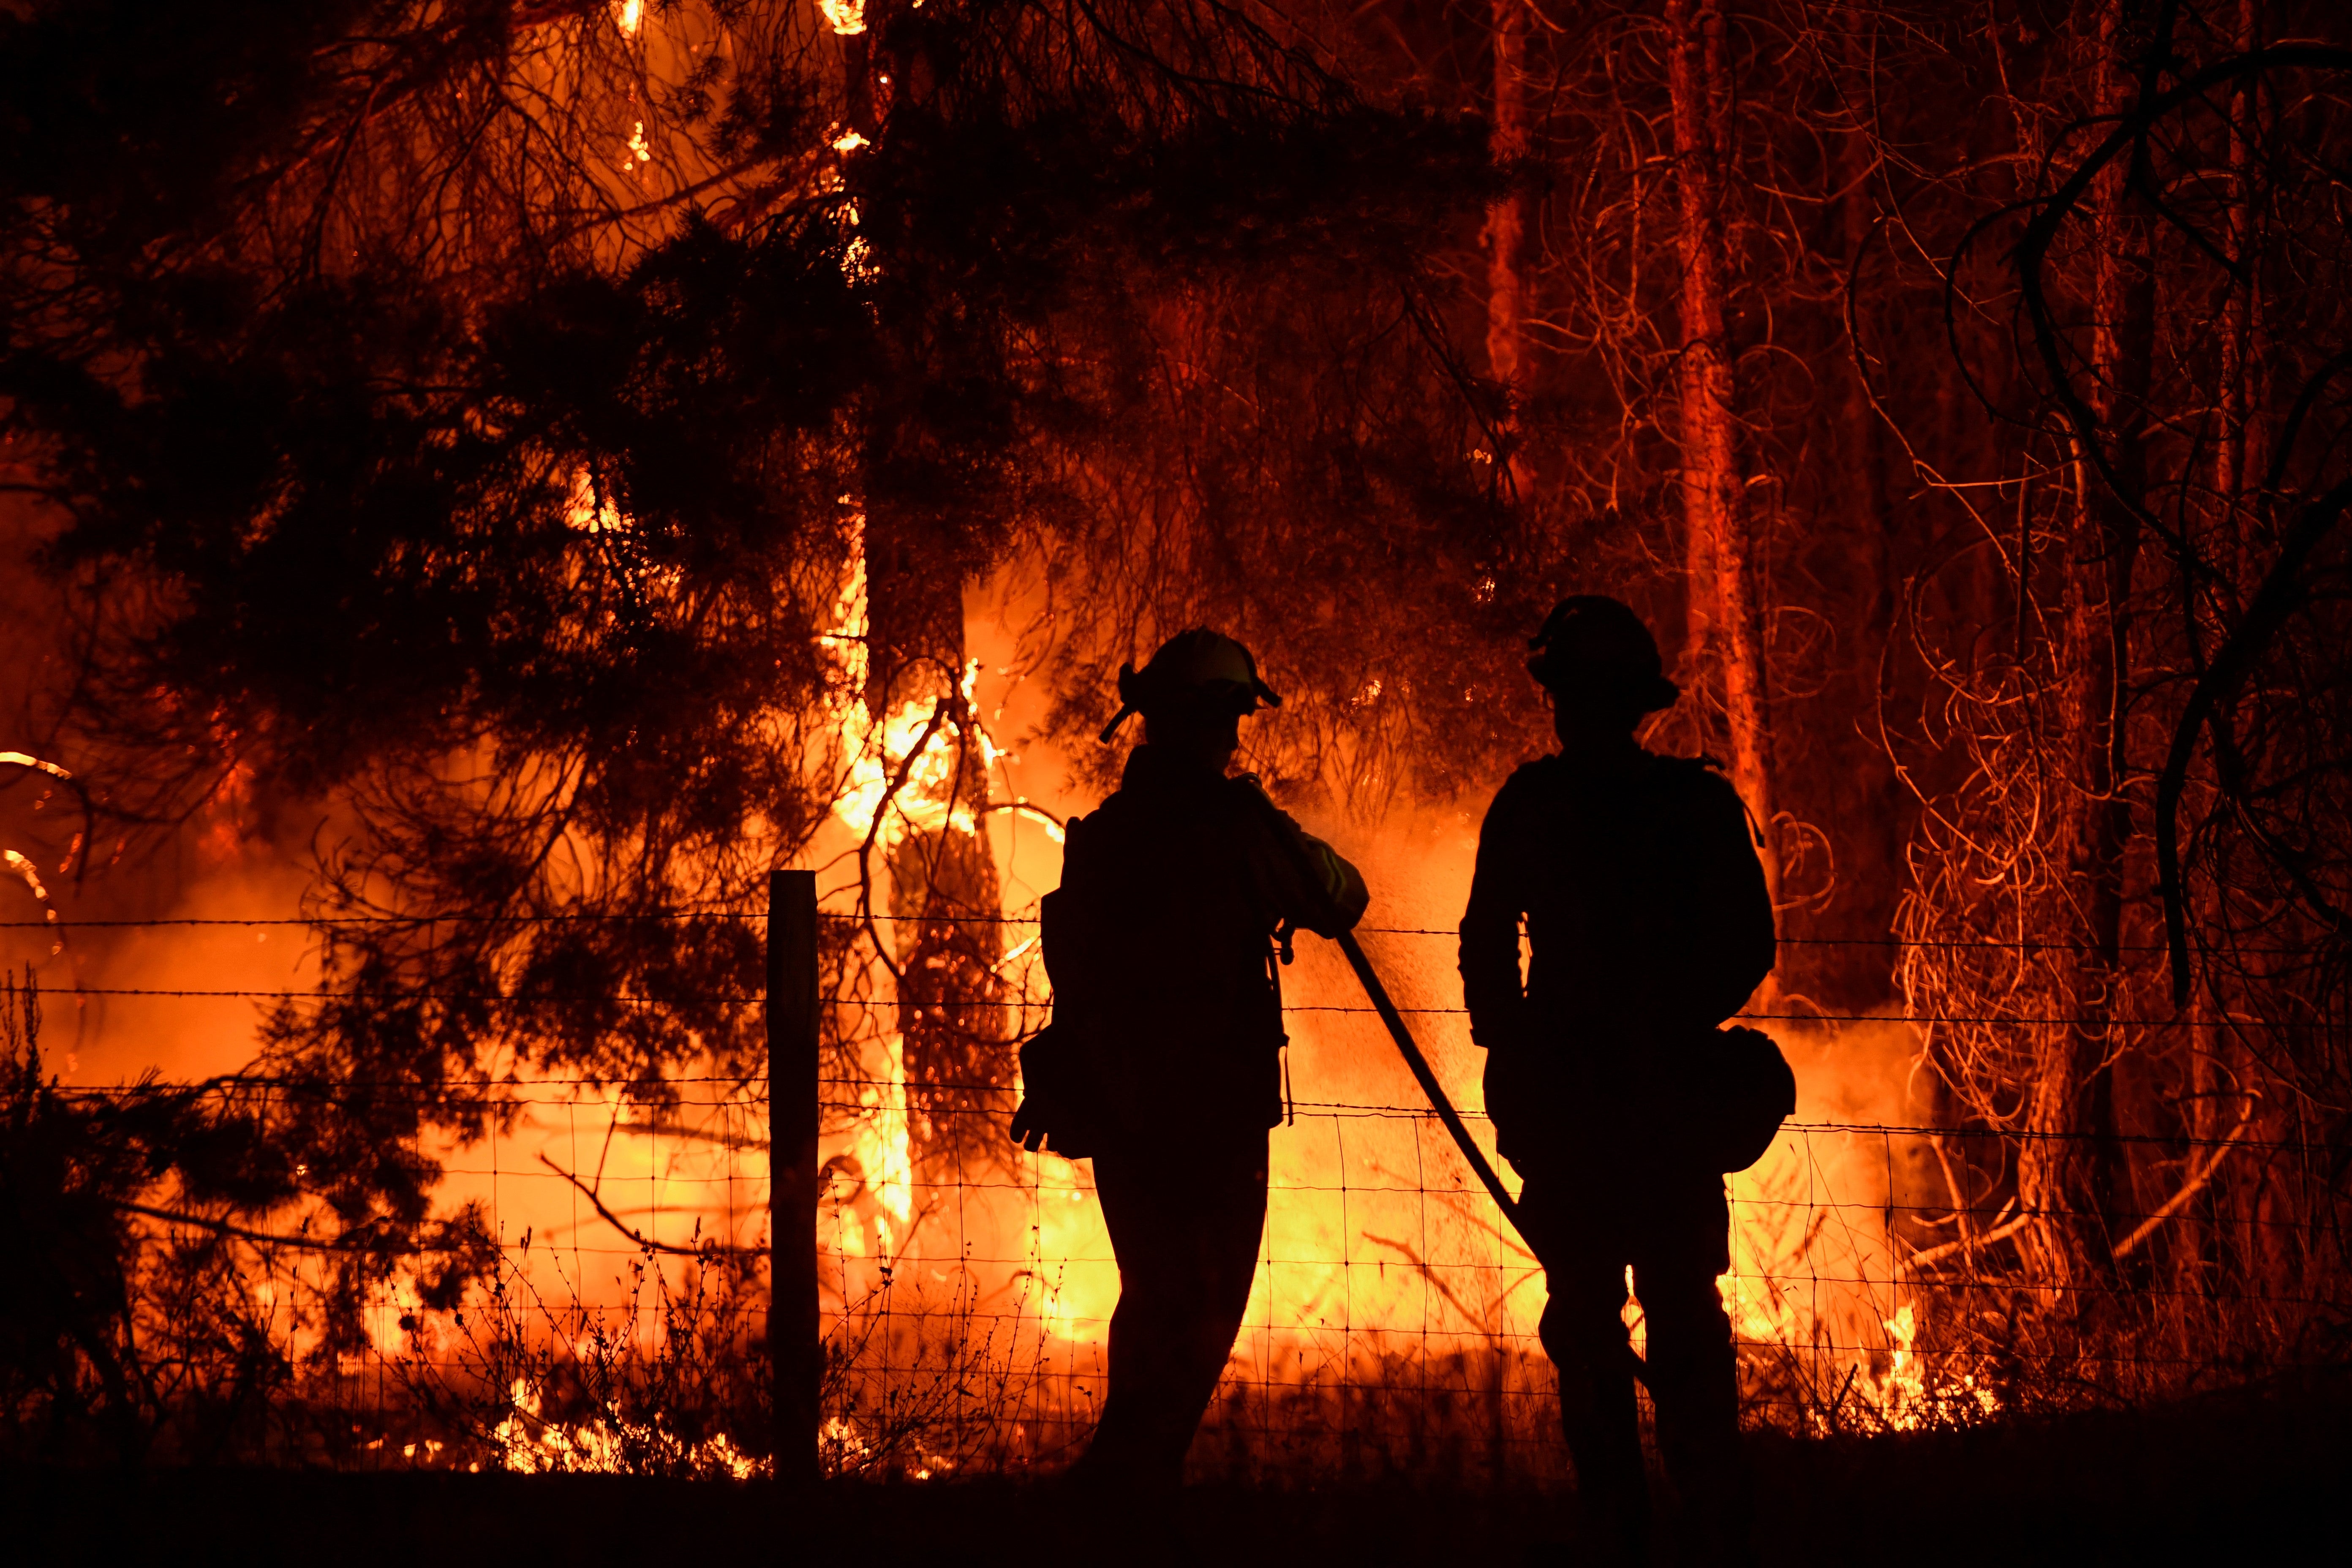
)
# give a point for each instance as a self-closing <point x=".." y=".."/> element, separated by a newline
<point x="1592" y="642"/>
<point x="1198" y="666"/>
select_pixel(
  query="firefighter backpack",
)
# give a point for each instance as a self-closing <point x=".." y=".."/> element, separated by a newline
<point x="1061" y="1092"/>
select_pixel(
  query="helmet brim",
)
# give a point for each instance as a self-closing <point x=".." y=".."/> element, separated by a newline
<point x="1644" y="694"/>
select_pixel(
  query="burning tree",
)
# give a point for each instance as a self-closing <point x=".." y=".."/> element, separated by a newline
<point x="473" y="416"/>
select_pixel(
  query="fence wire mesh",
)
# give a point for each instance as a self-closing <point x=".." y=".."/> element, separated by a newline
<point x="1886" y="1274"/>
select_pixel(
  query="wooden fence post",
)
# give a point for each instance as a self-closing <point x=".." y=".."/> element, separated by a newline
<point x="795" y="1342"/>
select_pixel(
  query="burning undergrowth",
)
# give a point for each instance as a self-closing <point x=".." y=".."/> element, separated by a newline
<point x="668" y="1379"/>
<point x="1390" y="1332"/>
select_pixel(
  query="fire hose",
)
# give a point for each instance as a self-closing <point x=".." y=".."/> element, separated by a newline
<point x="1287" y="834"/>
<point x="1427" y="1076"/>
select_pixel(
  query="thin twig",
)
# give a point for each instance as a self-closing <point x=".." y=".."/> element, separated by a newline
<point x="705" y="1249"/>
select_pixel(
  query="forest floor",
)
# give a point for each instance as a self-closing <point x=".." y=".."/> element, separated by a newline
<point x="2234" y="1478"/>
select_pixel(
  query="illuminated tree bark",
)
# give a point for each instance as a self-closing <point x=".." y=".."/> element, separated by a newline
<point x="2222" y="1073"/>
<point x="1725" y="624"/>
<point x="2073" y="1168"/>
<point x="1864" y="796"/>
<point x="1507" y="230"/>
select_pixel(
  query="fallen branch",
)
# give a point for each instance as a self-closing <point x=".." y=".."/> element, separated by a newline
<point x="1928" y="1255"/>
<point x="2196" y="1184"/>
<point x="1959" y="1197"/>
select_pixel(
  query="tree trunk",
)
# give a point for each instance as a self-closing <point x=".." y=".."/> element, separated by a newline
<point x="943" y="888"/>
<point x="2079" y="1173"/>
<point x="2213" y="1073"/>
<point x="1863" y="797"/>
<point x="1726" y="628"/>
<point x="1506" y="232"/>
<point x="944" y="898"/>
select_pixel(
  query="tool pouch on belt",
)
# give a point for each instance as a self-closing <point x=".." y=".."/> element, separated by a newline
<point x="1062" y="1098"/>
<point x="1740" y="1091"/>
<point x="1059" y="1108"/>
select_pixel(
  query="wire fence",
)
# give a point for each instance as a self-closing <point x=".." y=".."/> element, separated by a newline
<point x="1887" y="1274"/>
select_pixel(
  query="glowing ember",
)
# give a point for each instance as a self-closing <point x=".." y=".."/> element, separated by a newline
<point x="26" y="760"/>
<point x="24" y="867"/>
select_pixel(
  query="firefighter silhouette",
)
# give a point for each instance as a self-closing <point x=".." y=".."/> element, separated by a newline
<point x="1164" y="1060"/>
<point x="1648" y="924"/>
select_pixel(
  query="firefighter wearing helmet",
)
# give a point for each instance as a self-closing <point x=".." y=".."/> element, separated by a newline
<point x="1648" y="924"/>
<point x="1163" y="1061"/>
